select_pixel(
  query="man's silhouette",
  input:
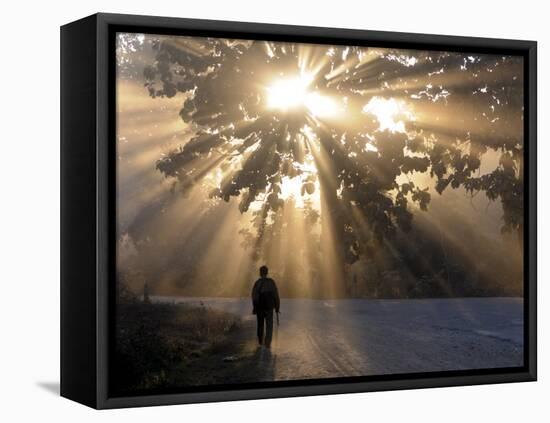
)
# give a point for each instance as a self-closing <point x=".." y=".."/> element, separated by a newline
<point x="265" y="299"/>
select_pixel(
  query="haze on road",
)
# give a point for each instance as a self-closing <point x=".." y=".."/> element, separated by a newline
<point x="357" y="337"/>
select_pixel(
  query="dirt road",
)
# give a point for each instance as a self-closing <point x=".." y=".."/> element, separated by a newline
<point x="334" y="338"/>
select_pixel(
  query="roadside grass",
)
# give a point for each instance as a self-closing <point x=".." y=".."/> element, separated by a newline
<point x="159" y="346"/>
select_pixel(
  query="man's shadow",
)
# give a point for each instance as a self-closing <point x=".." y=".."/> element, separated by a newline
<point x="264" y="361"/>
<point x="255" y="364"/>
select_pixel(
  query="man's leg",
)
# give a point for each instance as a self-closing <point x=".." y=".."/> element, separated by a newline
<point x="269" y="328"/>
<point x="260" y="319"/>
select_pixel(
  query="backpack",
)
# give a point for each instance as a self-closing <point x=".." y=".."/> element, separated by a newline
<point x="265" y="295"/>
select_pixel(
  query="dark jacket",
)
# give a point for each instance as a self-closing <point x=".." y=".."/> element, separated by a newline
<point x="265" y="296"/>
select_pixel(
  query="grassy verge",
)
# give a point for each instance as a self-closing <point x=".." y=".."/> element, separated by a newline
<point x="161" y="346"/>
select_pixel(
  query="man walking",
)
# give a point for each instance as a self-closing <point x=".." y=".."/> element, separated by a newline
<point x="265" y="299"/>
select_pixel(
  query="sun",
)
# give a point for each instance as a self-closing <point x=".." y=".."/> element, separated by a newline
<point x="294" y="93"/>
<point x="290" y="93"/>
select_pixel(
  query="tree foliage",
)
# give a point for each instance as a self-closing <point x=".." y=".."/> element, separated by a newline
<point x="466" y="106"/>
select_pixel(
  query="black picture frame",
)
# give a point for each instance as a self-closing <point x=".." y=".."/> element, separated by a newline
<point x="88" y="225"/>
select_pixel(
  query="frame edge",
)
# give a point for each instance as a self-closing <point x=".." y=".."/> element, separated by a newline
<point x="107" y="20"/>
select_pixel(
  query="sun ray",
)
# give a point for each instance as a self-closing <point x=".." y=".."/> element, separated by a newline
<point x="276" y="132"/>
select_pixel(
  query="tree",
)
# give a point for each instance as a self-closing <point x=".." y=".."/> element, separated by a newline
<point x="466" y="105"/>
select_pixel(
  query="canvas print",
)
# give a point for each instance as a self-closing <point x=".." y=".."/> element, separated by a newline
<point x="311" y="212"/>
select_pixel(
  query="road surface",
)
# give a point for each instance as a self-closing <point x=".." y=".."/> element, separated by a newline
<point x="337" y="338"/>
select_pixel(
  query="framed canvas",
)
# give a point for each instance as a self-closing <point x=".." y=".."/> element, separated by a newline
<point x="257" y="211"/>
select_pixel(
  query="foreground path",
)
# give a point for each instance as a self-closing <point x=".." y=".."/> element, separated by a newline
<point x="333" y="338"/>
